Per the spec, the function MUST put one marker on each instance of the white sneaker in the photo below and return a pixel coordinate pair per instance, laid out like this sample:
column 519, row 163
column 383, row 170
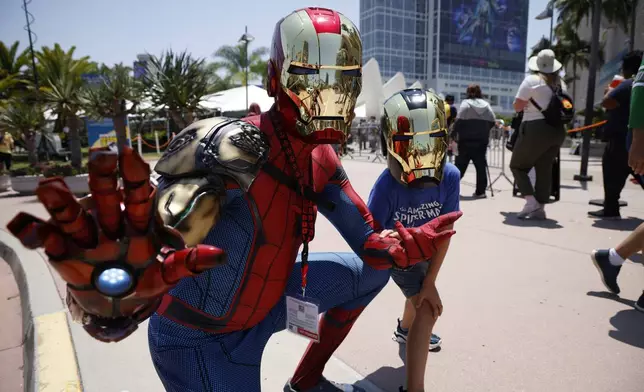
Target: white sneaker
column 538, row 214
column 528, row 209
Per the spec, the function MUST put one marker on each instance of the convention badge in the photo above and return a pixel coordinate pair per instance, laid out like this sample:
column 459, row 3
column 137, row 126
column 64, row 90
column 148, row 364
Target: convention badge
column 302, row 317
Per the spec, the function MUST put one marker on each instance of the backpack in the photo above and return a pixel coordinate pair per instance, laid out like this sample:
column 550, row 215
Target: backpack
column 560, row 110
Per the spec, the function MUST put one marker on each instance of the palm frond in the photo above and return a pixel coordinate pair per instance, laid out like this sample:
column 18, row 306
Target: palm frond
column 19, row 117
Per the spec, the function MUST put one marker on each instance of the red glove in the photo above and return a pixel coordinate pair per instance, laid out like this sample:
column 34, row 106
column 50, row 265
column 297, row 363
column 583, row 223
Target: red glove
column 421, row 242
column 115, row 254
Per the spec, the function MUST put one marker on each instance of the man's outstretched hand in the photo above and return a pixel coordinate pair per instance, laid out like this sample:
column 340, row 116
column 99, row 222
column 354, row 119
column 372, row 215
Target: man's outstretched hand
column 421, row 242
column 115, row 254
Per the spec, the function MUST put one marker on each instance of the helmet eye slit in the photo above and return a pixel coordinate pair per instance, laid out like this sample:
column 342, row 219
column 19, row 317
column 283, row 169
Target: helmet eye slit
column 296, row 70
column 356, row 73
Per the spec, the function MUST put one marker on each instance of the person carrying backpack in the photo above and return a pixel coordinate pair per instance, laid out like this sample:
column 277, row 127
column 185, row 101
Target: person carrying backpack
column 546, row 109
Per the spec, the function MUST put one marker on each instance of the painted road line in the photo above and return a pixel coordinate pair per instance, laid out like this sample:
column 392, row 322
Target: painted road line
column 56, row 365
column 50, row 363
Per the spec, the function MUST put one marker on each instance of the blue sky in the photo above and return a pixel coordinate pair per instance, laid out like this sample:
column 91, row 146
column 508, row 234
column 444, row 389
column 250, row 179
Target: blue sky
column 117, row 30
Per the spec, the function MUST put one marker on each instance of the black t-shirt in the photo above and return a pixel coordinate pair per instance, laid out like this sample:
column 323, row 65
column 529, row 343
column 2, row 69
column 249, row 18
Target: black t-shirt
column 452, row 115
column 616, row 127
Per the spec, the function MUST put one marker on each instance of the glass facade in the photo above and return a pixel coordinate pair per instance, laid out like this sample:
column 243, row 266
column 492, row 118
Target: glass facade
column 407, row 36
column 484, row 33
column 394, row 33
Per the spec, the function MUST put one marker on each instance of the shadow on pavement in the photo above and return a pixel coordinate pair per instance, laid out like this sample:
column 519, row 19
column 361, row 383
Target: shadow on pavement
column 628, row 327
column 611, row 296
column 627, row 224
column 627, row 323
column 470, row 198
column 512, row 220
column 562, row 186
column 389, row 378
column 637, row 258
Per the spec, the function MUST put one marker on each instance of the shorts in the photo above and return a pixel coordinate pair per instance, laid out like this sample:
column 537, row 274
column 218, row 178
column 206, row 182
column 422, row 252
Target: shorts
column 410, row 281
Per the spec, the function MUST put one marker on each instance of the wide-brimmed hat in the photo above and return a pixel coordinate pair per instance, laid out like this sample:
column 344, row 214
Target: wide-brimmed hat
column 544, row 62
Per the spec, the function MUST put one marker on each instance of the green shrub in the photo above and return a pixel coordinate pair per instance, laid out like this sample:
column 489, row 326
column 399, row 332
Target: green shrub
column 26, row 171
column 63, row 171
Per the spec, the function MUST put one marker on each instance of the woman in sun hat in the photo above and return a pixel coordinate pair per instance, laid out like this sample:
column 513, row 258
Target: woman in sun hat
column 538, row 143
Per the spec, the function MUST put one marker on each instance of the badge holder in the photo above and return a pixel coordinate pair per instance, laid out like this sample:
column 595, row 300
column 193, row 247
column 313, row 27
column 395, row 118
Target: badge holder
column 302, row 313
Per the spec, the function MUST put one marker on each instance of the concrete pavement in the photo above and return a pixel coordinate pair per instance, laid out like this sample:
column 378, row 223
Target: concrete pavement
column 11, row 342
column 524, row 308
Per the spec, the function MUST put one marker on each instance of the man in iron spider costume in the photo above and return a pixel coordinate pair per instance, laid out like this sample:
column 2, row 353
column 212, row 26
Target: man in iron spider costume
column 247, row 190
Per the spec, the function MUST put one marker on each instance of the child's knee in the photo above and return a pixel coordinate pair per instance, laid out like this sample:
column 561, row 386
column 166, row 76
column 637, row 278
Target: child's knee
column 424, row 310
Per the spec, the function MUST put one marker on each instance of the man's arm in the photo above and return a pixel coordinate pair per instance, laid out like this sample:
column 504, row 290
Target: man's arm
column 523, row 96
column 614, row 96
column 437, row 260
column 451, row 204
column 350, row 215
column 356, row 224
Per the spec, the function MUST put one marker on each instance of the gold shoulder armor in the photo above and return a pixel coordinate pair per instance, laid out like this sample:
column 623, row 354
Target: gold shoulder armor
column 220, row 146
column 192, row 188
column 191, row 205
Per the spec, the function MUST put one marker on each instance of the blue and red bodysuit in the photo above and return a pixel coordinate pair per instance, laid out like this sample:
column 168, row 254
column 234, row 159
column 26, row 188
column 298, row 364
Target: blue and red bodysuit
column 210, row 331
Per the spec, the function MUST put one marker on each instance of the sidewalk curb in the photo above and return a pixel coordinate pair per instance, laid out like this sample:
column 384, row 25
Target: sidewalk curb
column 49, row 358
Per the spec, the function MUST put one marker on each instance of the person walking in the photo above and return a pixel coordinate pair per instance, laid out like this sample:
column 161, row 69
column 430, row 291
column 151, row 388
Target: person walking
column 609, row 261
column 472, row 127
column 615, row 167
column 450, row 112
column 538, row 142
column 6, row 149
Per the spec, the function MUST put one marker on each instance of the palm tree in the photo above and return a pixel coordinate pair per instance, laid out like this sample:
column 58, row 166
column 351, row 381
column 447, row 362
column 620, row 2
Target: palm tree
column 633, row 4
column 20, row 117
column 177, row 81
column 544, row 43
column 61, row 76
column 576, row 11
column 110, row 99
column 11, row 63
column 215, row 80
column 573, row 49
column 615, row 11
column 233, row 59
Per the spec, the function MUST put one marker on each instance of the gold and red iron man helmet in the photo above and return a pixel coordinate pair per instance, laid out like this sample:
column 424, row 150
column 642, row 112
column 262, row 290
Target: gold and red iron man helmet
column 316, row 65
column 414, row 135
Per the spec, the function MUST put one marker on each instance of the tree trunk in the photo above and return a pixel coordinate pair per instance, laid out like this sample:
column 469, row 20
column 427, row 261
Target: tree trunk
column 590, row 93
column 178, row 119
column 190, row 118
column 120, row 125
column 30, row 142
column 74, row 141
column 632, row 27
column 574, row 79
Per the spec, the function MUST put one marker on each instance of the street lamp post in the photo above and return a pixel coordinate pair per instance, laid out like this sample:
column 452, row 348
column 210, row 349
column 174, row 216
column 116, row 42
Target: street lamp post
column 590, row 96
column 246, row 39
column 30, row 19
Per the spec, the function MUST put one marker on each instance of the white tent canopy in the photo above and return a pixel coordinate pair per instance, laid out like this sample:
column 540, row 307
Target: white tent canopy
column 235, row 99
column 360, row 111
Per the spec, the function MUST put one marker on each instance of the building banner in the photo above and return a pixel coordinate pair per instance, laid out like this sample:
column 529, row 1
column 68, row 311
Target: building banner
column 101, row 133
column 484, row 33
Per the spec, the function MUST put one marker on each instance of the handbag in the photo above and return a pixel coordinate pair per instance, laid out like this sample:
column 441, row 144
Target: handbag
column 516, row 123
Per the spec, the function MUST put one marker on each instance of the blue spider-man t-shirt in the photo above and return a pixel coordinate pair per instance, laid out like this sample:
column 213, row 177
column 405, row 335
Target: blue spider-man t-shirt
column 391, row 201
